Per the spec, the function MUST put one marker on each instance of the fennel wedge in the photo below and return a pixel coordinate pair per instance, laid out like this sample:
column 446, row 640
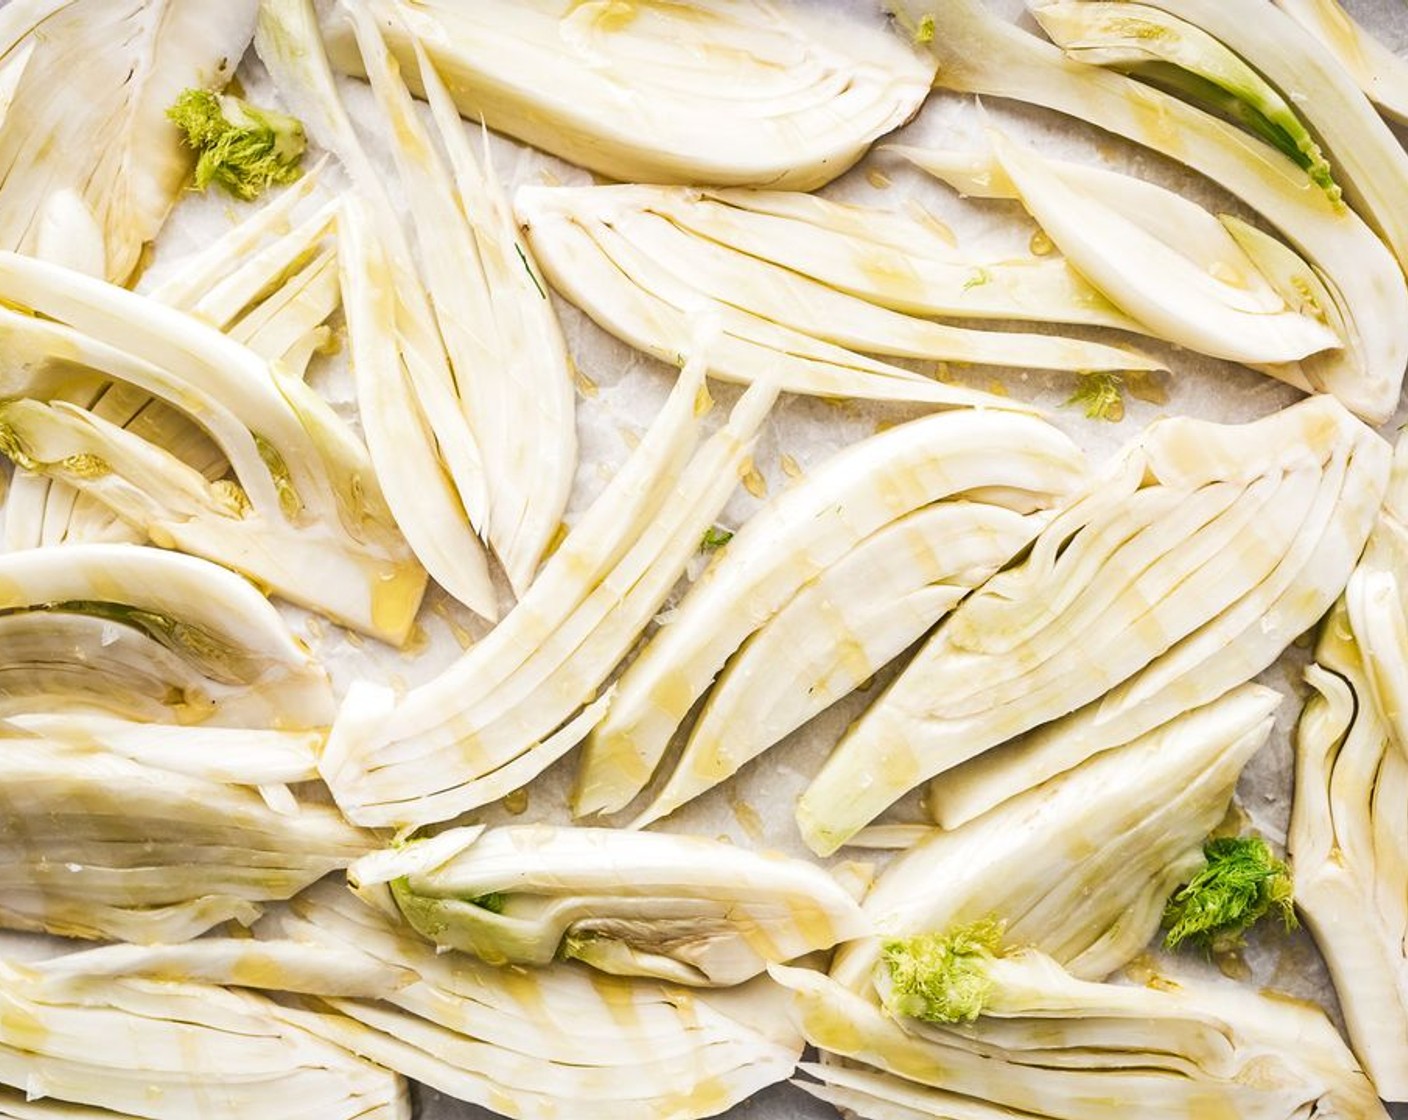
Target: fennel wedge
column 1186, row 541
column 124, row 831
column 301, row 511
column 982, row 54
column 1166, row 262
column 1348, row 819
column 1079, row 867
column 681, row 908
column 170, row 1049
column 646, row 262
column 530, row 691
column 89, row 170
column 799, row 540
column 456, row 338
column 1045, row 1044
column 530, row 1042
column 728, row 92
column 143, row 634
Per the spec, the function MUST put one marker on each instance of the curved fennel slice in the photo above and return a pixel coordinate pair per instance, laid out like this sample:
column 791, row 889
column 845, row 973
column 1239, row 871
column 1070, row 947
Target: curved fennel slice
column 983, row 54
column 1163, row 260
column 1369, row 162
column 1189, row 536
column 1081, row 866
column 103, row 147
column 645, row 279
column 798, row 538
column 563, row 1040
column 171, row 1049
column 1381, row 74
column 687, row 909
column 420, row 439
column 1349, row 819
column 150, row 635
column 118, row 830
column 512, row 705
column 301, row 512
column 1042, row 1043
column 1231, row 650
column 837, row 630
column 730, row 92
column 276, row 302
column 503, row 341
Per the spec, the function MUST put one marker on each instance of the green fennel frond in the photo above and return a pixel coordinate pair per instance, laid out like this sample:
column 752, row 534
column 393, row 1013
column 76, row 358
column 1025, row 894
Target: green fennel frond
column 943, row 977
column 242, row 148
column 1100, row 395
column 1240, row 883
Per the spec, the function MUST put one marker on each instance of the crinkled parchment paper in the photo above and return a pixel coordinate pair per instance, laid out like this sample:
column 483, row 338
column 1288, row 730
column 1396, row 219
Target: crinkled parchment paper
column 619, row 390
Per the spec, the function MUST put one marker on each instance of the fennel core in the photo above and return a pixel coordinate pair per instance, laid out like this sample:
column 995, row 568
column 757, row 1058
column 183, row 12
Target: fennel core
column 1240, row 883
column 241, row 148
column 943, row 977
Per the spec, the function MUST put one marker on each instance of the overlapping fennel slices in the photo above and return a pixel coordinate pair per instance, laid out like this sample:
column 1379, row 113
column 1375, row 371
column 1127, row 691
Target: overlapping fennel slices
column 1349, row 820
column 89, row 170
column 1211, row 284
column 1080, row 867
column 118, row 1034
column 732, row 92
column 806, row 288
column 154, row 709
column 299, row 509
column 681, row 908
column 978, row 52
column 267, row 286
column 1183, row 570
column 564, row 1040
column 930, row 1017
column 464, row 383
column 819, row 281
column 1045, row 1044
column 513, row 704
column 824, row 585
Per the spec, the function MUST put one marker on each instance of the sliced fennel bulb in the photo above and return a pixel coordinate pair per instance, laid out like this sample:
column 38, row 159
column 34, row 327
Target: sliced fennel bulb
column 682, row 908
column 302, row 512
column 1164, row 261
column 458, row 348
column 530, row 1042
column 102, row 145
column 170, row 1049
column 980, row 53
column 1348, row 819
column 729, row 92
column 645, row 262
column 1135, row 35
column 113, row 830
column 426, row 456
column 514, row 703
column 796, row 539
column 1183, row 544
column 150, row 635
column 1370, row 163
column 1079, row 867
column 1049, row 1045
column 276, row 303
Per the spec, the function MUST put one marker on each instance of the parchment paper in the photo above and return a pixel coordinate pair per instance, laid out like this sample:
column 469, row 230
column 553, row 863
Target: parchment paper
column 620, row 390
